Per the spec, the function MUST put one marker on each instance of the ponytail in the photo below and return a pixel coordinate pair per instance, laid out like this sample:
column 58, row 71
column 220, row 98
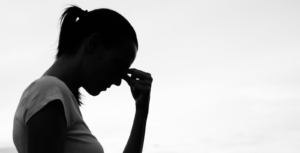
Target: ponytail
column 68, row 28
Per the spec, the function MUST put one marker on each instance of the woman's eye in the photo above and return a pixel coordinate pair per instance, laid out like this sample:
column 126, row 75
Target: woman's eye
column 120, row 67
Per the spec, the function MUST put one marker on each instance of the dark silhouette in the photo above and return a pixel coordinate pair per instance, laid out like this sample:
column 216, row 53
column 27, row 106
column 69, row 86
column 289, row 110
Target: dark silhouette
column 95, row 51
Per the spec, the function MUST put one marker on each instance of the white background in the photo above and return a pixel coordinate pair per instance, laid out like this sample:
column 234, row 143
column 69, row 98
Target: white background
column 226, row 73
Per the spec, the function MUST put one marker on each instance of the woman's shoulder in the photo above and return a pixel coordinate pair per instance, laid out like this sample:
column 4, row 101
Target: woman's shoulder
column 48, row 81
column 43, row 89
column 47, row 84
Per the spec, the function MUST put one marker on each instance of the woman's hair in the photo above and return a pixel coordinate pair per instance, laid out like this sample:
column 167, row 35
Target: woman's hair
column 76, row 25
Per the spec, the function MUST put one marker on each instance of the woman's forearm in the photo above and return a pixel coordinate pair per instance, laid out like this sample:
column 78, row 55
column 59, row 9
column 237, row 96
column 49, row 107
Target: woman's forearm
column 136, row 139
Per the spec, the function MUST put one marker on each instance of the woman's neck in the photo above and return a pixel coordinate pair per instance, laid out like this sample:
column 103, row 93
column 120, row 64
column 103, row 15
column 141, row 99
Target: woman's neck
column 67, row 70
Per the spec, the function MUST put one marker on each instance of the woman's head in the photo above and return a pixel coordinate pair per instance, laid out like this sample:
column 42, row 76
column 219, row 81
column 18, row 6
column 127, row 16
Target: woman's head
column 107, row 42
column 76, row 25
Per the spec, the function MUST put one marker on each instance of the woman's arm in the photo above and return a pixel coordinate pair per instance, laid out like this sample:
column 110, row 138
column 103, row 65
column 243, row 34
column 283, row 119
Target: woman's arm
column 140, row 85
column 46, row 130
column 136, row 139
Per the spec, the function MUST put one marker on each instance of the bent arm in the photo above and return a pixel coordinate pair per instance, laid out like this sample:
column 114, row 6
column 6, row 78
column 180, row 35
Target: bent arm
column 140, row 86
column 46, row 130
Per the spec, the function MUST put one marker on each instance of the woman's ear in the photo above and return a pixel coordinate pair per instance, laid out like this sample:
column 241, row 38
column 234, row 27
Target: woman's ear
column 94, row 43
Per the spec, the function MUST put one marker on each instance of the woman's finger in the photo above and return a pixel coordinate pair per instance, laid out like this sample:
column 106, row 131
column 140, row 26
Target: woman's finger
column 142, row 82
column 139, row 74
column 133, row 69
column 141, row 88
column 126, row 78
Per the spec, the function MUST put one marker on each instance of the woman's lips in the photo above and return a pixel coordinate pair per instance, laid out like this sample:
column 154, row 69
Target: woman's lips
column 108, row 86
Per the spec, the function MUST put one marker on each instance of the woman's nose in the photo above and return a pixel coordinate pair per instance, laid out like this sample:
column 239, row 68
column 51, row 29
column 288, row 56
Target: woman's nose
column 117, row 81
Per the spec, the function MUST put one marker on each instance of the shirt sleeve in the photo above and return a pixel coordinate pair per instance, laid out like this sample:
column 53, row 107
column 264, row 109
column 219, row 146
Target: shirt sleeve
column 40, row 97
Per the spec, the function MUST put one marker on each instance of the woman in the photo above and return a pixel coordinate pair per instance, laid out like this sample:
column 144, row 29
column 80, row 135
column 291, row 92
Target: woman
column 95, row 51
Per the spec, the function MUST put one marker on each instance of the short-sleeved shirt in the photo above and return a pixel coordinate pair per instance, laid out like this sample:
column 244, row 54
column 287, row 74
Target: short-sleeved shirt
column 38, row 94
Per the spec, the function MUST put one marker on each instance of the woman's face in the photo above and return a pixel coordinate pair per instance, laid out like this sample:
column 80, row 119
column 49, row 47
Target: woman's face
column 106, row 66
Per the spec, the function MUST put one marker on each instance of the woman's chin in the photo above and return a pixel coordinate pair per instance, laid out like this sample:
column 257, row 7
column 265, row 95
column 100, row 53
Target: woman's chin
column 96, row 92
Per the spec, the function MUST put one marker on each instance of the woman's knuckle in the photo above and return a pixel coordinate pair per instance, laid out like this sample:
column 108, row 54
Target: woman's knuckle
column 151, row 79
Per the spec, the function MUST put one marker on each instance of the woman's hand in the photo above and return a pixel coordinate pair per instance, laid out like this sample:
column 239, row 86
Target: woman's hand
column 140, row 84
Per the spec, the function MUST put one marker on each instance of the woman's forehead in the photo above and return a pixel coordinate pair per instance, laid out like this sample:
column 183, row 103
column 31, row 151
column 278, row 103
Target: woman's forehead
column 126, row 52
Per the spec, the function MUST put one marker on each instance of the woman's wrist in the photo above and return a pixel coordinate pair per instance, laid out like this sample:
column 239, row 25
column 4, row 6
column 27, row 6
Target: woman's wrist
column 142, row 112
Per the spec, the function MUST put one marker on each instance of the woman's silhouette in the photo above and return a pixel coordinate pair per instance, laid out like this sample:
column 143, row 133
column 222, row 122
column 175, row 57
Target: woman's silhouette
column 95, row 51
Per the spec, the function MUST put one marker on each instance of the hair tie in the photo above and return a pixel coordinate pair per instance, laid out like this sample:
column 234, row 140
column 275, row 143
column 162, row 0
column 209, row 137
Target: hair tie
column 83, row 14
